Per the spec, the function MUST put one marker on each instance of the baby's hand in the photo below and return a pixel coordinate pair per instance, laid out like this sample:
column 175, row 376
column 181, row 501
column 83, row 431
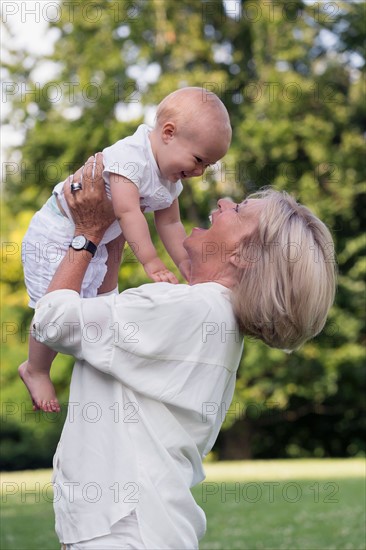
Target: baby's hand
column 158, row 272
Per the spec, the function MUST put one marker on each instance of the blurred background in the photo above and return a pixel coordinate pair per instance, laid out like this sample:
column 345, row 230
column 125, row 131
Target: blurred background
column 291, row 76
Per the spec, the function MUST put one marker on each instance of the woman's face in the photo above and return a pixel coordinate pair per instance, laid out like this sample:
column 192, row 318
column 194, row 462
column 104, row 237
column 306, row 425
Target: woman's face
column 231, row 223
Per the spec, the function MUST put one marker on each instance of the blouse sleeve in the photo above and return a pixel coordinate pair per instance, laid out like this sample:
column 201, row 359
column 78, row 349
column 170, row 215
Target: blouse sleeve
column 81, row 327
column 152, row 321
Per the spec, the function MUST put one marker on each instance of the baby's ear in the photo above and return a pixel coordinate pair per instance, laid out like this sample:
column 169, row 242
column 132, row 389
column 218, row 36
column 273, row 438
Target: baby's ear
column 168, row 131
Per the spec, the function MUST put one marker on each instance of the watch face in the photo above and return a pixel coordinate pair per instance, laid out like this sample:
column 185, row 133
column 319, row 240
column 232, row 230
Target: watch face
column 78, row 242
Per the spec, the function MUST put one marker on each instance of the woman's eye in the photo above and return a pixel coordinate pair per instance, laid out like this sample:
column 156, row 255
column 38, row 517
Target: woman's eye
column 236, row 208
column 198, row 159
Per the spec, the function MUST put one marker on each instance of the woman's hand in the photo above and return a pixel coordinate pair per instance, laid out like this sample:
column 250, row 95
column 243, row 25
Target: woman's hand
column 90, row 207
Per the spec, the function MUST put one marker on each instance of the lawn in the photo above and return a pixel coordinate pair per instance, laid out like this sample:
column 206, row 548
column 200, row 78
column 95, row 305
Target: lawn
column 272, row 505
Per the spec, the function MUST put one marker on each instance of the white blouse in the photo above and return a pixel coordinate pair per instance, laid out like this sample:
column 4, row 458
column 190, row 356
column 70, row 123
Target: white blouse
column 155, row 369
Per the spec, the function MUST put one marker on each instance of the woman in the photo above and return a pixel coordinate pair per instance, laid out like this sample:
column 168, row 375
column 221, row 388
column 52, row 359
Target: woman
column 165, row 358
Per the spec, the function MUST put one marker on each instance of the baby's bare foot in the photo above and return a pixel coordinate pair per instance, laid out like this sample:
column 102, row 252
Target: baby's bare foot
column 40, row 388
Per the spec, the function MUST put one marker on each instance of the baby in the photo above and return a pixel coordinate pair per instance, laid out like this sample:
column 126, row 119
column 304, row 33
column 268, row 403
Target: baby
column 142, row 173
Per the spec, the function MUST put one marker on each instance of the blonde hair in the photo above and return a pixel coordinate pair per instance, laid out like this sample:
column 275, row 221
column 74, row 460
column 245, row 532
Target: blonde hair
column 192, row 107
column 287, row 280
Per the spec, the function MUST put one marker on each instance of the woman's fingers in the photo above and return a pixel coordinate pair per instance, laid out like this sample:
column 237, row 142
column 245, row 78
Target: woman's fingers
column 90, row 174
column 92, row 171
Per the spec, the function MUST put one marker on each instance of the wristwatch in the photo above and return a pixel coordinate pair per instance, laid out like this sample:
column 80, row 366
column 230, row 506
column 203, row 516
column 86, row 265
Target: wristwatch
column 82, row 243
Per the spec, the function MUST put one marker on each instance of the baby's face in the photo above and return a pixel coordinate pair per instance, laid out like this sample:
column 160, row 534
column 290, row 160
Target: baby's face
column 188, row 156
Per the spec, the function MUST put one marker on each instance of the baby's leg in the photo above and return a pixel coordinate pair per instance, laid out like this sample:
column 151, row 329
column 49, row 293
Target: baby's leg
column 35, row 373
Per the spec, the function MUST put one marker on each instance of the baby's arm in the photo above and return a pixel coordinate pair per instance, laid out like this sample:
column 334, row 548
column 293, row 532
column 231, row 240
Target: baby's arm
column 172, row 234
column 126, row 204
column 115, row 250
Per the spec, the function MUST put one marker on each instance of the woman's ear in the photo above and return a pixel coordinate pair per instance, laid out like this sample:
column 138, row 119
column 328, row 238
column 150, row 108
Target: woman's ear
column 168, row 131
column 236, row 260
column 243, row 258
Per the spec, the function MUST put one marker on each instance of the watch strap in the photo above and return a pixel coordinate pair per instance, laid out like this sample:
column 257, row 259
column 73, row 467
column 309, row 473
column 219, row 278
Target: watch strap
column 89, row 246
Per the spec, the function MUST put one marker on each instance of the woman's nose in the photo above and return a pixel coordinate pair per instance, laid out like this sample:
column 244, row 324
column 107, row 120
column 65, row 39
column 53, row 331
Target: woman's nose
column 224, row 204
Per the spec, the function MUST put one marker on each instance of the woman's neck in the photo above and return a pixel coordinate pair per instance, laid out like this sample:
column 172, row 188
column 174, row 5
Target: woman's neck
column 204, row 273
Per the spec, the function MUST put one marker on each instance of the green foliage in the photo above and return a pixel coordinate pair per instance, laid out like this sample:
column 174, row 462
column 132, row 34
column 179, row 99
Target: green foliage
column 298, row 117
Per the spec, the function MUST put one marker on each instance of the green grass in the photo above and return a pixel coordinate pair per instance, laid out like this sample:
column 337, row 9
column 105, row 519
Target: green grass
column 27, row 520
column 292, row 505
column 271, row 505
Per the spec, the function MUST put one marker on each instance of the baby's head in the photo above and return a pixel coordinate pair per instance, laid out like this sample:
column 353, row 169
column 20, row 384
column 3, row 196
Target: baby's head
column 192, row 131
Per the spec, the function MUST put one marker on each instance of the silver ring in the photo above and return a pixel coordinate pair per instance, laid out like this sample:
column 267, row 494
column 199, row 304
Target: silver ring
column 75, row 187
